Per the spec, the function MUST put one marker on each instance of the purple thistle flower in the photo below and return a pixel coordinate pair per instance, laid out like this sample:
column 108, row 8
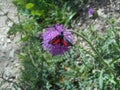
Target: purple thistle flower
column 90, row 11
column 51, row 33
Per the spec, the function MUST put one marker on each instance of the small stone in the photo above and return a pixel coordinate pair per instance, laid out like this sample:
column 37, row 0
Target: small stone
column 101, row 13
column 12, row 37
column 11, row 54
column 9, row 24
column 2, row 55
column 16, row 65
column 2, row 39
column 8, row 40
column 4, row 46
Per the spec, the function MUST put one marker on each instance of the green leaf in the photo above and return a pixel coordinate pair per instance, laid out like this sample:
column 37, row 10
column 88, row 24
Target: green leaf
column 37, row 12
column 29, row 5
column 25, row 38
column 101, row 80
column 69, row 18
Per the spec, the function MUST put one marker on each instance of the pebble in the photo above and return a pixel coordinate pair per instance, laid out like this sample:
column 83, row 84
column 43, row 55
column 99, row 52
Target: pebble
column 11, row 54
column 101, row 13
column 8, row 40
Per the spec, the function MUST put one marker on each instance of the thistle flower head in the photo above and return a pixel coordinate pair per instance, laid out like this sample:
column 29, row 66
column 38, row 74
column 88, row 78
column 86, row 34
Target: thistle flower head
column 90, row 11
column 52, row 32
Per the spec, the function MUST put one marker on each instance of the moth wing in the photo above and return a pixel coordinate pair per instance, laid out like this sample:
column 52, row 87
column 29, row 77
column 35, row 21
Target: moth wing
column 55, row 40
column 66, row 42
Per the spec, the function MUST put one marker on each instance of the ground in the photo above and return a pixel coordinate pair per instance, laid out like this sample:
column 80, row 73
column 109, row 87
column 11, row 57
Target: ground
column 8, row 46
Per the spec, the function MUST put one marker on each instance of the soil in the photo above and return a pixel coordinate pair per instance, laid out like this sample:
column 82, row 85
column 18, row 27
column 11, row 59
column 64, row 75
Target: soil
column 9, row 63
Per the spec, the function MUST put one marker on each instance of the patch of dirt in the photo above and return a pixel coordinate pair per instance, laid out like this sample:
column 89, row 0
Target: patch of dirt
column 105, row 8
column 9, row 63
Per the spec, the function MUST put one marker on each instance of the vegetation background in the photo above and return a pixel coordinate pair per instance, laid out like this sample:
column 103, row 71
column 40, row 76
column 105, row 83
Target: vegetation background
column 91, row 64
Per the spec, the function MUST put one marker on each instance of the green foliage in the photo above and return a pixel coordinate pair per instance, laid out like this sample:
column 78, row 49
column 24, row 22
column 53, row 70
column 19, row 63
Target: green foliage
column 94, row 66
column 105, row 54
column 46, row 12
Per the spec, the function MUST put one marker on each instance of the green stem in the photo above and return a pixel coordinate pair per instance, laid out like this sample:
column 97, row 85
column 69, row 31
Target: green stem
column 32, row 60
column 100, row 57
column 113, row 61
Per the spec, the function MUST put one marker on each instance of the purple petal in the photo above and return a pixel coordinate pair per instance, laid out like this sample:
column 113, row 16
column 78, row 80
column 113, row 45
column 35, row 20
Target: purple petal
column 90, row 11
column 52, row 32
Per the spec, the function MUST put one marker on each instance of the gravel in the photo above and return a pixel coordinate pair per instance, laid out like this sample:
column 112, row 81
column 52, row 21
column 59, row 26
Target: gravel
column 9, row 63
